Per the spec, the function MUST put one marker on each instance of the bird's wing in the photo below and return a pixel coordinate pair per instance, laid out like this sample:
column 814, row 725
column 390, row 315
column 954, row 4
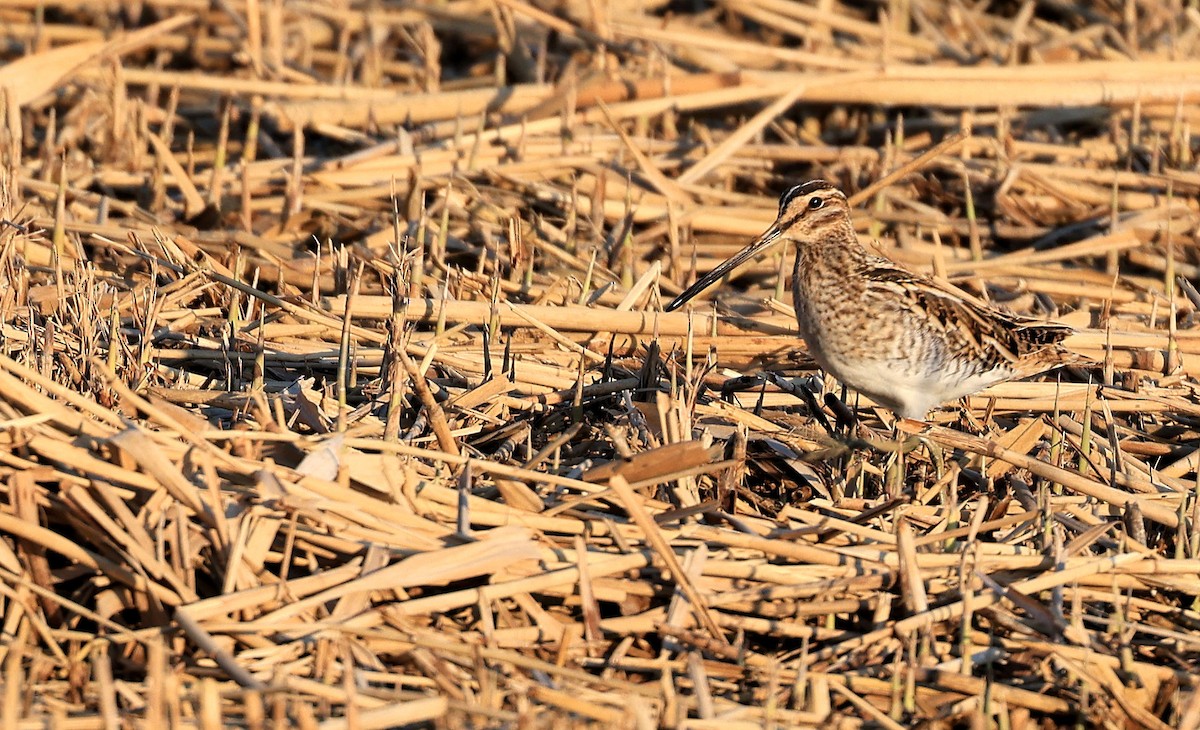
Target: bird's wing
column 977, row 328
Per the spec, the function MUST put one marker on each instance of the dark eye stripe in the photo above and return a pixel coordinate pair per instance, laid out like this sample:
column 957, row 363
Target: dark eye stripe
column 789, row 224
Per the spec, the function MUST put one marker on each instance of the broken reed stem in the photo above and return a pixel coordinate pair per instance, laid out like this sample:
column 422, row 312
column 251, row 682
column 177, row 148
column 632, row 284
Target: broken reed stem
column 437, row 417
column 655, row 537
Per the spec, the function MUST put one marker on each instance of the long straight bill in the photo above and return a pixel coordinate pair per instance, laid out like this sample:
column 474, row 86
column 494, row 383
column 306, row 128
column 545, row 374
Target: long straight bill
column 760, row 244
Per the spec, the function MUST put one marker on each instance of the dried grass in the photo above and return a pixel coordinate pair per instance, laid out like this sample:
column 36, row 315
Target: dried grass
column 336, row 390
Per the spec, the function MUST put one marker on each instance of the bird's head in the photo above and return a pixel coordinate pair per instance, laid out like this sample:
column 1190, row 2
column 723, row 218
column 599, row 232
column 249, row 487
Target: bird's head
column 805, row 212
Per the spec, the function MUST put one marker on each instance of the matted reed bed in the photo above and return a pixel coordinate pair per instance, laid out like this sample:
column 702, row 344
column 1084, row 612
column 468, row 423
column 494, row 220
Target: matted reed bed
column 336, row 389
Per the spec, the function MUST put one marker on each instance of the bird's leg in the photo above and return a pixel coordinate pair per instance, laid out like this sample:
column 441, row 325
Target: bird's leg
column 847, row 419
column 909, row 434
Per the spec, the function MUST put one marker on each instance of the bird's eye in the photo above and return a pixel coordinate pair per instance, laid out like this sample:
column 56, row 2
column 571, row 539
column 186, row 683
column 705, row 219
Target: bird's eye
column 814, row 203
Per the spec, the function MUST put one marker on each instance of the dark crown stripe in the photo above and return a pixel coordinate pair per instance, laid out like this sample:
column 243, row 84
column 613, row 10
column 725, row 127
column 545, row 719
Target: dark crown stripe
column 804, row 189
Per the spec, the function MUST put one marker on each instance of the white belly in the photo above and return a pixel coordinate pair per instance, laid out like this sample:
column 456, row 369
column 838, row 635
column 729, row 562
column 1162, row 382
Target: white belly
column 893, row 385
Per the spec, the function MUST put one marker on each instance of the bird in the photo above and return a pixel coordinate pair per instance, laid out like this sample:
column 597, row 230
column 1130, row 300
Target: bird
column 907, row 341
